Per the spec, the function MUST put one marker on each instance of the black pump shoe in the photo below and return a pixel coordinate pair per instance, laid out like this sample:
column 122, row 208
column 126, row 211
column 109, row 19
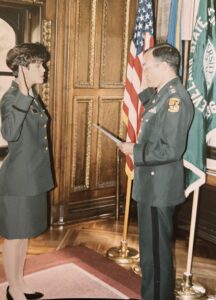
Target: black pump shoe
column 36, row 295
column 8, row 295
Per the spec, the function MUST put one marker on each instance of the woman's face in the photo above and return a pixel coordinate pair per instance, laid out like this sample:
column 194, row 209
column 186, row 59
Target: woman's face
column 34, row 73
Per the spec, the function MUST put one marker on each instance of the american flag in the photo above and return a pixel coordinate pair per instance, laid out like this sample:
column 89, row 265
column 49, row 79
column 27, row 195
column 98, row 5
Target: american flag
column 132, row 108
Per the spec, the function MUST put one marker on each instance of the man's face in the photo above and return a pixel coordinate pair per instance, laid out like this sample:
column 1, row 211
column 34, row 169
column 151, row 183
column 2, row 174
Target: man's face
column 152, row 70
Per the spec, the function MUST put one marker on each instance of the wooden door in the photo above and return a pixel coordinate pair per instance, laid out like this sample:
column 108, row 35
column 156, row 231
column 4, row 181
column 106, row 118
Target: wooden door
column 89, row 59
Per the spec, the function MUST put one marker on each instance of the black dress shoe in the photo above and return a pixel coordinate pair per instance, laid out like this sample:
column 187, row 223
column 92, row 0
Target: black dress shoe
column 8, row 295
column 36, row 295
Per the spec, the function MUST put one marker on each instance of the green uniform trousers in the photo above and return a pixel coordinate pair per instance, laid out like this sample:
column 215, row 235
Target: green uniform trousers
column 155, row 238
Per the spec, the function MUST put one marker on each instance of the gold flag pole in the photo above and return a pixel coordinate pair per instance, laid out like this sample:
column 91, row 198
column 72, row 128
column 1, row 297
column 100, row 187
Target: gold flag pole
column 185, row 63
column 124, row 254
column 117, row 204
column 185, row 289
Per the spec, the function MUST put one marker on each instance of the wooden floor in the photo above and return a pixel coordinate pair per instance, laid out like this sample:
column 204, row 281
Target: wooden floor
column 102, row 234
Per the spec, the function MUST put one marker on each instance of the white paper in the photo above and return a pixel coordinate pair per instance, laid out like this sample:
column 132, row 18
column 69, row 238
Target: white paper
column 108, row 134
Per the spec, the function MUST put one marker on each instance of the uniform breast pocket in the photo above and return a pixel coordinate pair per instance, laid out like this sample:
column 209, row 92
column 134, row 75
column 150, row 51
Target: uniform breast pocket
column 34, row 111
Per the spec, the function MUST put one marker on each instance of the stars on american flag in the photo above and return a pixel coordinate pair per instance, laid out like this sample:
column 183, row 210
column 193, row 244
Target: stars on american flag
column 144, row 23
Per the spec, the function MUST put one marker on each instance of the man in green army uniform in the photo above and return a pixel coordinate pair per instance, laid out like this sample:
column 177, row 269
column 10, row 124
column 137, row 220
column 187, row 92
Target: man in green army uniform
column 158, row 166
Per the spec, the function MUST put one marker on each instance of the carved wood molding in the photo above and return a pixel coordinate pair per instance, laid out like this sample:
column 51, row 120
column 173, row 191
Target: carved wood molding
column 91, row 58
column 47, row 40
column 47, row 33
column 26, row 2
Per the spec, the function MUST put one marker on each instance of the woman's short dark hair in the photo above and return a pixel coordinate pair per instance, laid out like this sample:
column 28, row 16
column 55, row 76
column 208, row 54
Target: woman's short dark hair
column 167, row 53
column 24, row 54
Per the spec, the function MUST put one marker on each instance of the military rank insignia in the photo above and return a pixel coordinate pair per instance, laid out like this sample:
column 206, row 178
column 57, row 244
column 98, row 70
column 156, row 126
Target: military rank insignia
column 174, row 104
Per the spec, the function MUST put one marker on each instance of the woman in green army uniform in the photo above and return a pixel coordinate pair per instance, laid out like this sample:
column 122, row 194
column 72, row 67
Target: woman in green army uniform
column 25, row 174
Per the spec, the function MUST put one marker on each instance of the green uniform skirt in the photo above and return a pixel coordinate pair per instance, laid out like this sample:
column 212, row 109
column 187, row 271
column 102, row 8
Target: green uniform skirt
column 23, row 217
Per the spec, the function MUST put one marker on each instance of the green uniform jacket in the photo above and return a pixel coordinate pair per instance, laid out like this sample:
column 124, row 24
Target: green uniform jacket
column 158, row 171
column 26, row 169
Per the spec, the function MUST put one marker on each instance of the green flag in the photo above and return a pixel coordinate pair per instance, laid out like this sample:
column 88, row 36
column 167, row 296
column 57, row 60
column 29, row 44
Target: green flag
column 201, row 85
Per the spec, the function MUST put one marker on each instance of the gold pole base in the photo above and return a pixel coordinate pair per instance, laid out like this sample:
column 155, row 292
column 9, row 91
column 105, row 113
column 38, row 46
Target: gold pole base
column 136, row 269
column 187, row 290
column 123, row 254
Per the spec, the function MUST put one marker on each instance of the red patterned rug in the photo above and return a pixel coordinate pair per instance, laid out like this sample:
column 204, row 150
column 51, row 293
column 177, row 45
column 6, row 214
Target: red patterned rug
column 77, row 273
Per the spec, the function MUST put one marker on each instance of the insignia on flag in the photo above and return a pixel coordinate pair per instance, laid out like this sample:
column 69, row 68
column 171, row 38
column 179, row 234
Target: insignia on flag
column 209, row 63
column 174, row 105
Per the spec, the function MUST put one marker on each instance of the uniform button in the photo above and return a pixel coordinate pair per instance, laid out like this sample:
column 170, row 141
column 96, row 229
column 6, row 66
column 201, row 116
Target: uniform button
column 45, row 137
column 147, row 121
column 152, row 173
column 45, row 126
column 46, row 148
column 41, row 115
column 153, row 101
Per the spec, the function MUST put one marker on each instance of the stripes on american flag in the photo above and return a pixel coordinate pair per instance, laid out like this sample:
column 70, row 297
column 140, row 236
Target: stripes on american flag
column 132, row 107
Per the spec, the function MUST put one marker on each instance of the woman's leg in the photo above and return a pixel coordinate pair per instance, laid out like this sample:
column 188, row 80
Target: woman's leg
column 11, row 263
column 22, row 259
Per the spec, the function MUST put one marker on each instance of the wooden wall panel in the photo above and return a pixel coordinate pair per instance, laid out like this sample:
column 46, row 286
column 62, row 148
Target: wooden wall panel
column 109, row 118
column 85, row 42
column 114, row 49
